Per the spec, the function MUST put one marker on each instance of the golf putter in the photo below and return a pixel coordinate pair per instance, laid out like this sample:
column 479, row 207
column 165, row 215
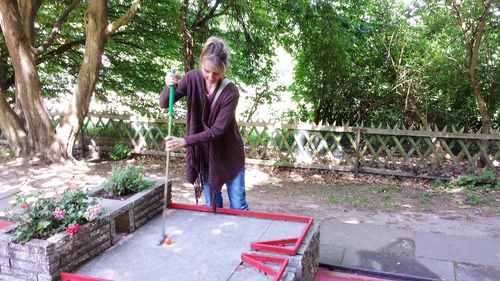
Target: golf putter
column 164, row 235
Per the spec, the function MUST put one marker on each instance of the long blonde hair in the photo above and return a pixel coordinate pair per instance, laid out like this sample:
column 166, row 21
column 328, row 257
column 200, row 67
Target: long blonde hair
column 216, row 51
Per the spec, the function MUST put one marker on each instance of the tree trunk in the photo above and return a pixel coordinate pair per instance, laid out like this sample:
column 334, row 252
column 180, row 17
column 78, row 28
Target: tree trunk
column 97, row 31
column 41, row 138
column 473, row 34
column 187, row 38
column 95, row 23
column 12, row 128
column 28, row 10
column 10, row 123
column 483, row 109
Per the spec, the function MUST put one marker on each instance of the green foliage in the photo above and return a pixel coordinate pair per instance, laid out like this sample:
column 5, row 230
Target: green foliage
column 111, row 129
column 478, row 187
column 476, row 198
column 40, row 216
column 383, row 62
column 256, row 137
column 387, row 189
column 281, row 162
column 126, row 179
column 344, row 54
column 121, row 151
column 486, row 181
column 438, row 183
column 426, row 198
column 8, row 152
column 333, row 198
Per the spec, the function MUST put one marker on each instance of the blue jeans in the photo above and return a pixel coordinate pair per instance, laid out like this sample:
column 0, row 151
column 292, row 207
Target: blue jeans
column 235, row 192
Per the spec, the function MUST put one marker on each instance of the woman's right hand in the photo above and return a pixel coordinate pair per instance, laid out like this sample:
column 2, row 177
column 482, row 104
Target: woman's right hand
column 171, row 79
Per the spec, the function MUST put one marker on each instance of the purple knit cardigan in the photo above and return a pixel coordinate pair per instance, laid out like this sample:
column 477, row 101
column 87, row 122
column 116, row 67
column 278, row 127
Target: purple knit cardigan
column 214, row 143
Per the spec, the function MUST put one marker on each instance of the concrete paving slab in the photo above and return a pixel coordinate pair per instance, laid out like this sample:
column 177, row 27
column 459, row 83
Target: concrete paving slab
column 282, row 229
column 459, row 249
column 245, row 273
column 206, row 246
column 5, row 203
column 330, row 254
column 9, row 191
column 368, row 237
column 470, row 272
column 386, row 262
column 112, row 206
column 444, row 269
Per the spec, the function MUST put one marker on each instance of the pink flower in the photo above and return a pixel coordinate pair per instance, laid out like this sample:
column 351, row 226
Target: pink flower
column 72, row 228
column 24, row 205
column 59, row 214
column 92, row 212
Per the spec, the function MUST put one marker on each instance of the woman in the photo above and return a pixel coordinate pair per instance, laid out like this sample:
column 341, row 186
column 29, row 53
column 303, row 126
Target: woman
column 214, row 147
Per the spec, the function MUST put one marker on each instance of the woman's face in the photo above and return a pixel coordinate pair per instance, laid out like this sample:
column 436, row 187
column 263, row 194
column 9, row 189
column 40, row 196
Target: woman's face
column 211, row 72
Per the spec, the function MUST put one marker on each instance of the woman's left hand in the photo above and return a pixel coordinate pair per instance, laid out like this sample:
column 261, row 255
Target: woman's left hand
column 173, row 143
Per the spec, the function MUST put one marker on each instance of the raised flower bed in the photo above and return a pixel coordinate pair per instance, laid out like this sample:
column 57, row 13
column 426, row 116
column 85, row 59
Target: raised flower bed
column 129, row 214
column 44, row 259
column 40, row 259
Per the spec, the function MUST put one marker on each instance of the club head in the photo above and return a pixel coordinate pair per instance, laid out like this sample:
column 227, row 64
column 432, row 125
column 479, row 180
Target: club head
column 162, row 240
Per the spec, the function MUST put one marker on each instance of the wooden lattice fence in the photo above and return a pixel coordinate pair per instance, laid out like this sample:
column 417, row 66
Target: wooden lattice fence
column 389, row 151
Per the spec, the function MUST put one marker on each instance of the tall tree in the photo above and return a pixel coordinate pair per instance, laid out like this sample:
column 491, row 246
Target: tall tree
column 326, row 49
column 472, row 18
column 37, row 136
column 249, row 26
column 194, row 20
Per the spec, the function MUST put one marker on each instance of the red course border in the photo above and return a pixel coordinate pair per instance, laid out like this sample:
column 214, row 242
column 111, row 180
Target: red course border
column 280, row 246
column 276, row 246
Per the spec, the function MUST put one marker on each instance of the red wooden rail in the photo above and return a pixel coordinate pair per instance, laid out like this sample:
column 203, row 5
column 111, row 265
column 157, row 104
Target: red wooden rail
column 66, row 276
column 257, row 260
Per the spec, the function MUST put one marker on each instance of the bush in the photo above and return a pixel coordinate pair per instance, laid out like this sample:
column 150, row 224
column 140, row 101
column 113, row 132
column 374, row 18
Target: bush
column 485, row 181
column 120, row 151
column 40, row 216
column 126, row 179
column 7, row 152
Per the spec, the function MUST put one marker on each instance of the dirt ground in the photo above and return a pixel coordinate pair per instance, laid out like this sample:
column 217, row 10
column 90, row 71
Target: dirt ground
column 405, row 203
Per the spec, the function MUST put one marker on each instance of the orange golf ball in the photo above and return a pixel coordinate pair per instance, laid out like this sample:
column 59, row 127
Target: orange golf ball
column 168, row 241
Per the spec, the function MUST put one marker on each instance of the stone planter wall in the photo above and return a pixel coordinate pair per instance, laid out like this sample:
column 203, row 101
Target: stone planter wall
column 41, row 260
column 305, row 262
column 128, row 215
column 150, row 204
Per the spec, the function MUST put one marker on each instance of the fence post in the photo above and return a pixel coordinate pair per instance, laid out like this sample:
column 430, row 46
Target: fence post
column 358, row 152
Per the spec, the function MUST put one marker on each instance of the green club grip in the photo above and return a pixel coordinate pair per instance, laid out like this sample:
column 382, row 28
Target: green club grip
column 171, row 98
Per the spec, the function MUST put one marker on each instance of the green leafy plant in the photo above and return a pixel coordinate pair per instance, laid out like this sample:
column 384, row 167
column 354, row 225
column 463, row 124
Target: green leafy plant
column 40, row 216
column 485, row 181
column 478, row 187
column 126, row 179
column 121, row 151
column 280, row 162
column 476, row 198
column 332, row 198
column 8, row 152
